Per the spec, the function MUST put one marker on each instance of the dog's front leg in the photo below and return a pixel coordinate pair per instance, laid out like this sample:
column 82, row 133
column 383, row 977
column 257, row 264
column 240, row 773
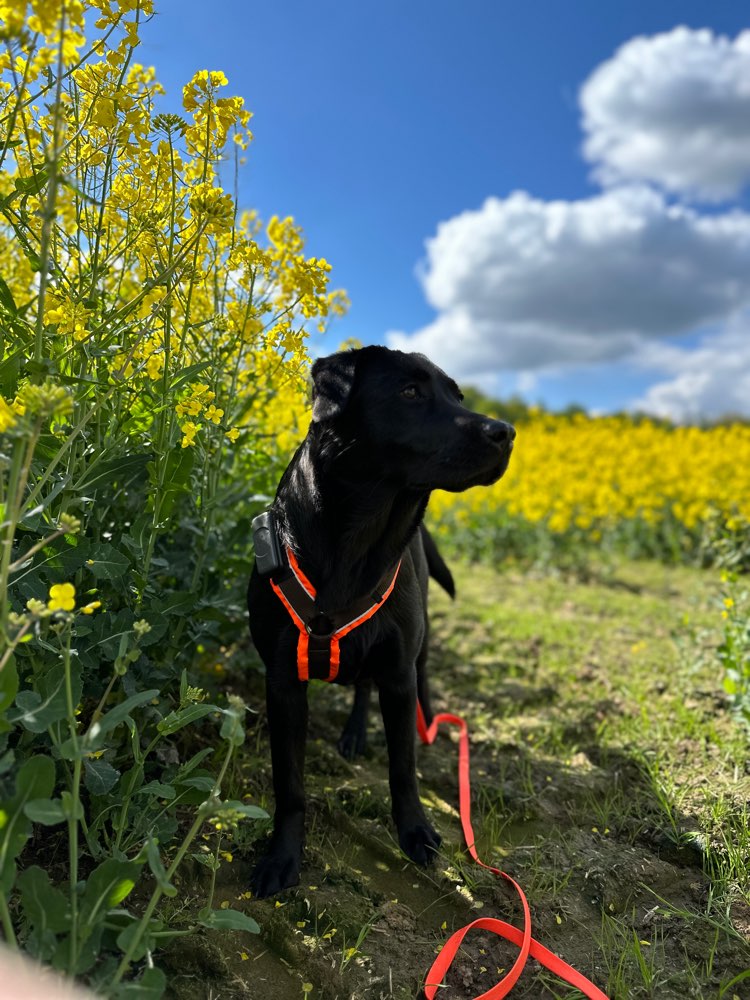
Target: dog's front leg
column 353, row 739
column 287, row 726
column 398, row 703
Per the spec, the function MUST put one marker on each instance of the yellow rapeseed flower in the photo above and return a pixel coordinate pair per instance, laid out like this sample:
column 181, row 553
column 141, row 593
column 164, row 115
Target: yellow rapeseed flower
column 189, row 430
column 62, row 597
column 68, row 316
column 7, row 416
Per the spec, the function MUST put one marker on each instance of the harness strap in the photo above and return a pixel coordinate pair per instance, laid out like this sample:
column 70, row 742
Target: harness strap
column 318, row 653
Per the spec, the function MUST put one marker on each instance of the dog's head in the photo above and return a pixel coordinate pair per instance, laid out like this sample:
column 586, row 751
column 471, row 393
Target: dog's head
column 401, row 418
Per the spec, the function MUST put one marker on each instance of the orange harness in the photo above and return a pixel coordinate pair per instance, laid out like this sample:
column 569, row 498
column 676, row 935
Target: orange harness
column 318, row 653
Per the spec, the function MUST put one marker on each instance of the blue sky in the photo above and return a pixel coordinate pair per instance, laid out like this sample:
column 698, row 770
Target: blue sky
column 374, row 123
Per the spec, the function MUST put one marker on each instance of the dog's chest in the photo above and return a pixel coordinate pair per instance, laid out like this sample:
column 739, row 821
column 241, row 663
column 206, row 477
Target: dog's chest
column 351, row 658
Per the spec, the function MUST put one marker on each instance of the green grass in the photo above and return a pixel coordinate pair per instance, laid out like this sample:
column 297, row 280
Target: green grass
column 609, row 778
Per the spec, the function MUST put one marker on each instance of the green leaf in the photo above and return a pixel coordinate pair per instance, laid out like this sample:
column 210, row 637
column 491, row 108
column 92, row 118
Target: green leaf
column 117, row 715
column 101, row 777
column 32, row 184
column 45, row 907
column 186, row 374
column 232, row 728
column 244, row 808
column 107, row 563
column 208, row 861
column 202, row 782
column 191, row 764
column 87, row 951
column 8, row 683
column 184, row 717
column 137, row 538
column 36, row 710
column 150, row 986
column 48, row 812
column 6, row 298
column 7, row 761
column 35, row 780
column 228, row 920
column 157, row 789
column 158, row 869
column 9, row 372
column 113, row 470
column 179, row 466
column 178, row 602
column 67, row 555
column 73, row 808
column 107, row 886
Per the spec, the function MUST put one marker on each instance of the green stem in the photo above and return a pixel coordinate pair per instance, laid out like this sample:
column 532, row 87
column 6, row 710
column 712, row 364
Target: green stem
column 212, row 888
column 134, row 776
column 75, row 806
column 10, row 934
column 11, row 126
column 10, row 530
column 200, row 818
column 11, row 647
column 48, row 213
column 22, row 560
column 19, row 477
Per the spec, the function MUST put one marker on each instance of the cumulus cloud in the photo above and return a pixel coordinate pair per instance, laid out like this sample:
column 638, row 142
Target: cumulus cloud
column 672, row 109
column 525, row 284
column 524, row 287
column 708, row 381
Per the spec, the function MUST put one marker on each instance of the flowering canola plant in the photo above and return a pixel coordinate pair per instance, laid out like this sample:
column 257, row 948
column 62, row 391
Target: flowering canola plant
column 153, row 340
column 597, row 476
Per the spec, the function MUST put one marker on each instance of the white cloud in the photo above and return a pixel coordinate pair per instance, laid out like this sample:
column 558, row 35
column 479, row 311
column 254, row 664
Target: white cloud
column 529, row 285
column 709, row 381
column 524, row 287
column 672, row 109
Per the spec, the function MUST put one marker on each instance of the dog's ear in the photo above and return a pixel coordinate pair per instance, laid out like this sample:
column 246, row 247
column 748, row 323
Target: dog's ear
column 333, row 378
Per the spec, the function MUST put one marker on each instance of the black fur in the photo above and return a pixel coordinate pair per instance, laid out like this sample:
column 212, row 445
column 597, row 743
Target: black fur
column 387, row 429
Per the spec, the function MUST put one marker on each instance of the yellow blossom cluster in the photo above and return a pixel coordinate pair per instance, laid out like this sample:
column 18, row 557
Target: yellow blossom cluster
column 153, row 284
column 7, row 416
column 594, row 473
column 151, row 338
column 67, row 316
column 62, row 597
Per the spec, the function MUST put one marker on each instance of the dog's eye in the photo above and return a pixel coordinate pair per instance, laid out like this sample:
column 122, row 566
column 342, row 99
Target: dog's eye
column 410, row 392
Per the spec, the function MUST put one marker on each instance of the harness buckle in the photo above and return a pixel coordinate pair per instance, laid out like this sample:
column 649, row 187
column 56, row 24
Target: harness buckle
column 320, row 626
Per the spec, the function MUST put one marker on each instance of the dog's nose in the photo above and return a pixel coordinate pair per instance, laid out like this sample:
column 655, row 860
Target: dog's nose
column 498, row 431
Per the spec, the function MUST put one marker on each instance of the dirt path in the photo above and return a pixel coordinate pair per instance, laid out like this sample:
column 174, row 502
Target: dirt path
column 608, row 779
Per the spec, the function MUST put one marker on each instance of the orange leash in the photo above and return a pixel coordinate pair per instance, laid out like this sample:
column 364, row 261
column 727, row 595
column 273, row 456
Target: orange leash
column 522, row 939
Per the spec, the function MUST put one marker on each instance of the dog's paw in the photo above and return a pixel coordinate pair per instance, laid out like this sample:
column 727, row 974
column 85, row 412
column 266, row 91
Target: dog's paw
column 420, row 842
column 276, row 871
column 352, row 742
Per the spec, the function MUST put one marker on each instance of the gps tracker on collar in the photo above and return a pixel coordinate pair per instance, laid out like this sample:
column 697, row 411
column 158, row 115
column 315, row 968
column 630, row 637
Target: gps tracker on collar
column 266, row 544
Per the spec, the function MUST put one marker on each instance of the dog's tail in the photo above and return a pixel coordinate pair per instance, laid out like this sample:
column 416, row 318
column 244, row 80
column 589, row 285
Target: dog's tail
column 436, row 564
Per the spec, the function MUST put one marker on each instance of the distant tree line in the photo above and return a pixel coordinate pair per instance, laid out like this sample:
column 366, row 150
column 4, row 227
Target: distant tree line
column 517, row 410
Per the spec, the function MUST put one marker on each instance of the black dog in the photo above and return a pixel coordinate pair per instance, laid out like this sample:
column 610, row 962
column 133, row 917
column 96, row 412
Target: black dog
column 387, row 428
